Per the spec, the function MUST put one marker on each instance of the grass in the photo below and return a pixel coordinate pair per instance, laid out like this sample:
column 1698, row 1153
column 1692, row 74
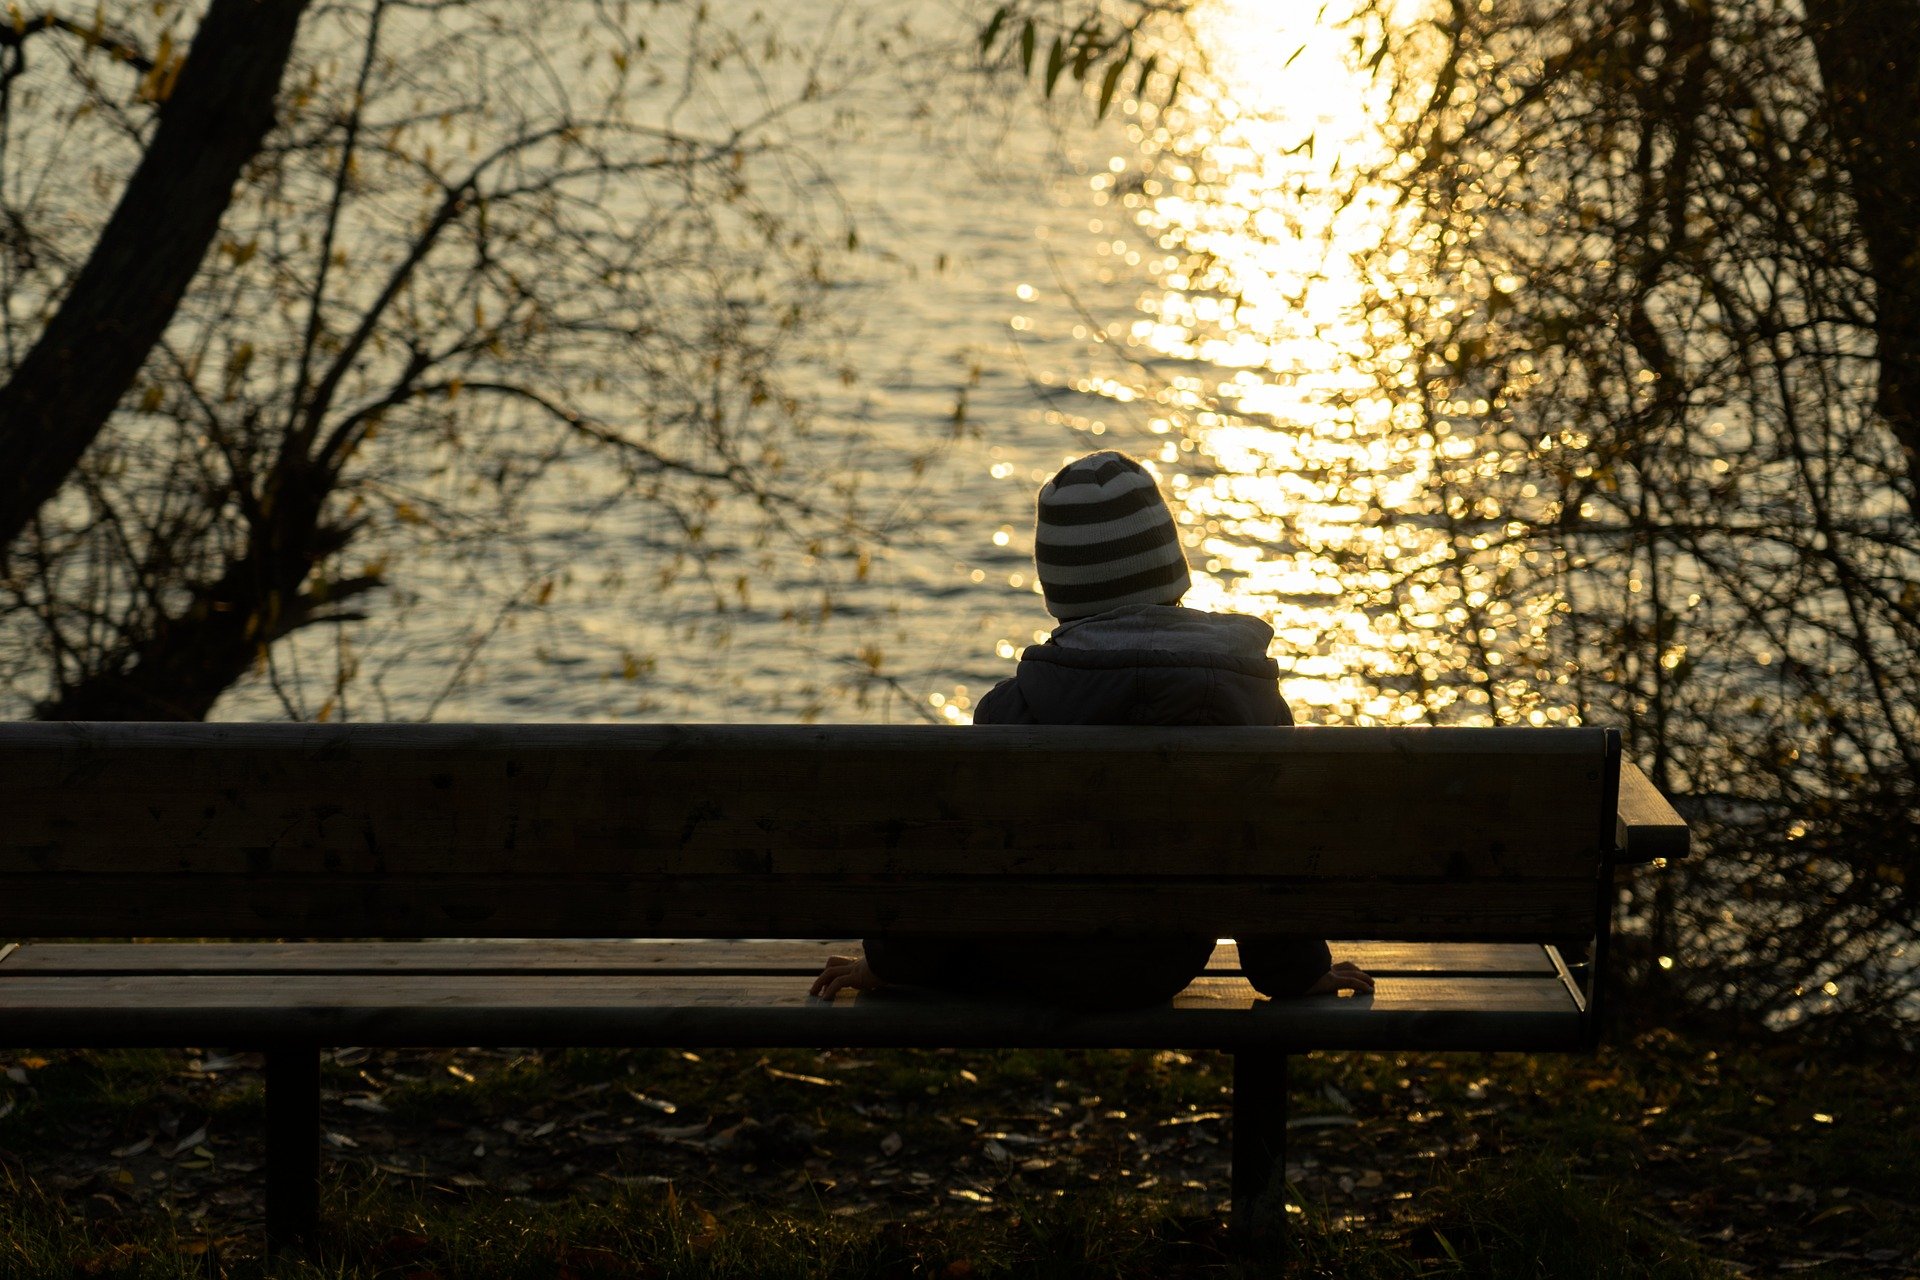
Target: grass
column 1663, row 1157
column 1486, row 1224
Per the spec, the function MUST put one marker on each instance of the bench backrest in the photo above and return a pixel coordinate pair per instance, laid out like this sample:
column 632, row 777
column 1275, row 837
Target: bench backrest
column 367, row 830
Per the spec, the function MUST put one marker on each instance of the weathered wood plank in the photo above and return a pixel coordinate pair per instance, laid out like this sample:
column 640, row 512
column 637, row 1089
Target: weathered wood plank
column 315, row 991
column 844, row 800
column 1648, row 827
column 1485, row 1013
column 701, row 955
column 506, row 957
column 560, row 906
column 1317, row 846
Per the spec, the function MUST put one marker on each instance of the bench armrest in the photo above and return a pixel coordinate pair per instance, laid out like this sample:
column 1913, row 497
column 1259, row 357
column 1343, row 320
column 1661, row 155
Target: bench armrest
column 1647, row 827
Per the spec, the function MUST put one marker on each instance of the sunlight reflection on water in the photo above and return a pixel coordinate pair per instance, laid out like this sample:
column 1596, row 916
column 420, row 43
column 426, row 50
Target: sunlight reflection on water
column 1261, row 368
column 1280, row 399
column 1274, row 234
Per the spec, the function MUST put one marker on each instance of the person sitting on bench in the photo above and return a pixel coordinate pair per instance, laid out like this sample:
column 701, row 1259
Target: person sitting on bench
column 1111, row 569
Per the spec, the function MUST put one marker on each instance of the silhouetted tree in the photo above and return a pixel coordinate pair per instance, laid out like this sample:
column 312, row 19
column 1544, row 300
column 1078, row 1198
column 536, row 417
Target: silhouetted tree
column 1662, row 295
column 485, row 243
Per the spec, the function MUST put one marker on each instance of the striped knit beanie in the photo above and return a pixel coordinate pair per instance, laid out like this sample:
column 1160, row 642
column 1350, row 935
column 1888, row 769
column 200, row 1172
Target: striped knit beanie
column 1104, row 539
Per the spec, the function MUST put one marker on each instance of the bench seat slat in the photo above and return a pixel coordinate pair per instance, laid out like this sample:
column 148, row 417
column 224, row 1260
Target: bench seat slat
column 723, row 955
column 1517, row 959
column 718, row 955
column 400, row 1009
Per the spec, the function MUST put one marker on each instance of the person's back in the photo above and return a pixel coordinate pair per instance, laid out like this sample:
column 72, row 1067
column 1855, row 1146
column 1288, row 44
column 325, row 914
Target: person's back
column 1144, row 664
column 1112, row 572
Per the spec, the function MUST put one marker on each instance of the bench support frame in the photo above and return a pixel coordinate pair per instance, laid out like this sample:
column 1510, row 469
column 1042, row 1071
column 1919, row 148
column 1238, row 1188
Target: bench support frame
column 293, row 1147
column 1259, row 1152
column 1259, row 1222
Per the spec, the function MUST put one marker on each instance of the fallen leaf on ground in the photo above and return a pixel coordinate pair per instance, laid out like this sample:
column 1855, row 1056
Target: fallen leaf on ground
column 709, row 1232
column 189, row 1142
column 822, row 1081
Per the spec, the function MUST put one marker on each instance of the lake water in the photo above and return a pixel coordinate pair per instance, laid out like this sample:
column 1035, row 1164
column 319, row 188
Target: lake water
column 1181, row 289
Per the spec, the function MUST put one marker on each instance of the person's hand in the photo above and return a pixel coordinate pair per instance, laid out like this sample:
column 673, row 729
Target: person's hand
column 1344, row 976
column 844, row 973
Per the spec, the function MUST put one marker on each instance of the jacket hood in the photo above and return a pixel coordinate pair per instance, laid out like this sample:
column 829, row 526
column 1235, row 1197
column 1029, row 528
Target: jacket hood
column 1171, row 629
column 1145, row 664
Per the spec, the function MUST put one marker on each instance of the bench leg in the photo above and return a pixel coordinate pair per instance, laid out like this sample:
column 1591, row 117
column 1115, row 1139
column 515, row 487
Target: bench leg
column 1259, row 1150
column 293, row 1147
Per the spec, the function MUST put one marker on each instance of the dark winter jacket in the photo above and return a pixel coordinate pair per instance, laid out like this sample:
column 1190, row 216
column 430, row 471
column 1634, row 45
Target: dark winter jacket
column 1145, row 664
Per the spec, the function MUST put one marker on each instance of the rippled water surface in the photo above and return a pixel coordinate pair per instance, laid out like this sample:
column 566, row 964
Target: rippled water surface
column 1182, row 288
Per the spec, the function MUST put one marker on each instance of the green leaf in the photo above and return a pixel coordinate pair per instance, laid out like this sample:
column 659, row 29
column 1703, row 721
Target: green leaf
column 1056, row 60
column 992, row 29
column 1173, row 90
column 1108, row 83
column 1283, row 66
column 1026, row 48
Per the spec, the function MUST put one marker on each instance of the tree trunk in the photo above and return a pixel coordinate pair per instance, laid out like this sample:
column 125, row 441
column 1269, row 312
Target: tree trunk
column 180, row 669
column 123, row 298
column 1869, row 56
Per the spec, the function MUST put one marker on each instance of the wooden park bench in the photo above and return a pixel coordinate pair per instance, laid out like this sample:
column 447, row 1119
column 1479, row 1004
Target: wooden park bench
column 1459, row 854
